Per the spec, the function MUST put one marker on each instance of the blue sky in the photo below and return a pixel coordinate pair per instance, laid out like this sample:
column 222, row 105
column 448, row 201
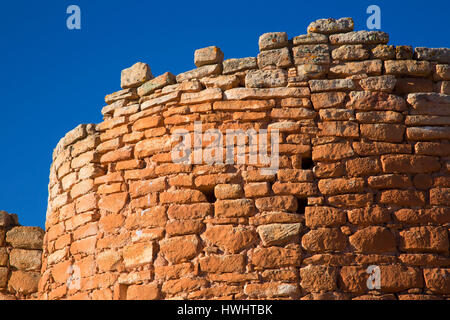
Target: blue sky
column 53, row 79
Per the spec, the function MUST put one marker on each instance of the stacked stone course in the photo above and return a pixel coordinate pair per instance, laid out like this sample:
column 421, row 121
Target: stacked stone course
column 20, row 258
column 364, row 178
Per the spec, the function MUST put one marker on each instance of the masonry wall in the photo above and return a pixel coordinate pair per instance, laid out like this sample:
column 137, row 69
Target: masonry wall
column 363, row 179
column 20, row 258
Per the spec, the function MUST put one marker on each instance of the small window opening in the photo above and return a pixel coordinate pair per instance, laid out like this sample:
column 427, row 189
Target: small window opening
column 210, row 196
column 302, row 204
column 307, row 164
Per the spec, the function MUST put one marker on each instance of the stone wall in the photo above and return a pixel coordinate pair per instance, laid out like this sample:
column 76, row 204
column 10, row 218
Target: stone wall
column 363, row 179
column 20, row 258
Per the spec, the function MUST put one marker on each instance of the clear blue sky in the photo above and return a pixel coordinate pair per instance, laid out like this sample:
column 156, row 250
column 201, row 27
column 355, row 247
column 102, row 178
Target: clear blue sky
column 53, row 79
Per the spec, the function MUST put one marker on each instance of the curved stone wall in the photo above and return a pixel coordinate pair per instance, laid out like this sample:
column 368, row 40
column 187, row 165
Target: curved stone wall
column 355, row 205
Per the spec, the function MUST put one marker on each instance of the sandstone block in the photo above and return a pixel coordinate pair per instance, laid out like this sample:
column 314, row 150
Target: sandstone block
column 324, row 217
column 26, row 260
column 275, row 257
column 279, row 58
column 273, row 40
column 350, row 52
column 328, row 99
column 330, row 26
column 383, row 132
column 441, row 55
column 201, row 72
column 208, row 55
column 360, row 37
column 346, row 69
column 241, row 64
column 331, row 85
column 25, row 237
column 310, row 38
column 384, row 83
column 266, row 78
column 324, row 240
column 373, row 240
column 279, row 234
column 157, row 83
column 224, row 263
column 437, row 280
column 180, row 249
column 135, row 75
column 318, row 278
column 408, row 68
column 311, row 54
column 228, row 238
column 311, row 71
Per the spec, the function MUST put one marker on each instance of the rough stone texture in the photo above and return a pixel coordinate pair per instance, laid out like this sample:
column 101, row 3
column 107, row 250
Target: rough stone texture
column 360, row 37
column 329, row 26
column 363, row 179
column 208, row 55
column 272, row 40
column 135, row 75
column 20, row 258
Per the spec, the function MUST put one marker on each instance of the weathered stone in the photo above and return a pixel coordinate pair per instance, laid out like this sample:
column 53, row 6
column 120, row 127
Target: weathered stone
column 280, row 58
column 403, row 52
column 324, row 217
column 311, row 71
column 332, row 152
column 241, row 64
column 208, row 55
column 364, row 100
column 311, row 54
column 373, row 240
column 396, row 278
column 179, row 249
column 277, row 203
column 442, row 72
column 368, row 216
column 279, row 234
column 441, row 55
column 318, row 278
column 383, row 132
column 381, row 83
column 272, row 40
column 430, row 103
column 275, row 257
column 350, row 52
column 26, row 259
column 230, row 239
column 25, row 237
column 428, row 133
column 409, row 163
column 360, row 37
column 310, row 38
column 135, row 75
column 437, row 280
column 201, row 72
column 331, row 85
column 330, row 26
column 328, row 99
column 424, row 239
column 408, row 68
column 384, row 52
column 267, row 93
column 266, row 78
column 379, row 117
column 324, row 240
column 345, row 69
column 157, row 83
column 223, row 82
